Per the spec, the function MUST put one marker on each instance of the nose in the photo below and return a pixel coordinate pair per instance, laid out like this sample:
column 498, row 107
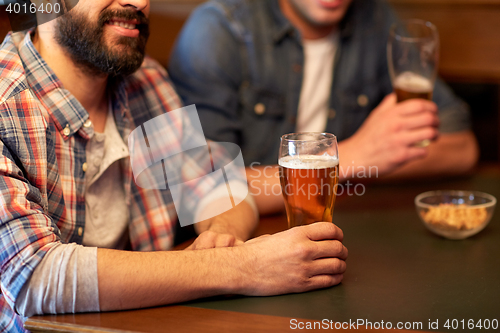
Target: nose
column 138, row 5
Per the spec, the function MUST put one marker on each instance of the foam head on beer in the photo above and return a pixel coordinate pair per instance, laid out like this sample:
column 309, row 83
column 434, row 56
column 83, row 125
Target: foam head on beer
column 308, row 183
column 409, row 85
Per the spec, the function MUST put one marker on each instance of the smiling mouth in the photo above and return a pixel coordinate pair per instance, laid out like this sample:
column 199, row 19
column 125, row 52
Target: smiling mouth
column 130, row 25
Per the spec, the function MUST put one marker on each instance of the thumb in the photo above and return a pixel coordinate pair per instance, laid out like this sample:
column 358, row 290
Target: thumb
column 388, row 102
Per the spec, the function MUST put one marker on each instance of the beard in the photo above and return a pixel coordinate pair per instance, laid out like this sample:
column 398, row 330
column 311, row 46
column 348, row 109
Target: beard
column 86, row 45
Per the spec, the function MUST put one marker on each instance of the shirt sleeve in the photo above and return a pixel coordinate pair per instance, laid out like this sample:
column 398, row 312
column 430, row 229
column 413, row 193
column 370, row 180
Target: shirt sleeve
column 206, row 69
column 27, row 232
column 65, row 281
column 454, row 113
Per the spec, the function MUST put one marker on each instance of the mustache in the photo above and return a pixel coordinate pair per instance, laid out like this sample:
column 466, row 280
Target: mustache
column 125, row 14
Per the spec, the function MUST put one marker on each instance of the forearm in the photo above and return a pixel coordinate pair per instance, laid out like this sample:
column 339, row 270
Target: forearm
column 450, row 155
column 263, row 266
column 264, row 184
column 130, row 280
column 239, row 221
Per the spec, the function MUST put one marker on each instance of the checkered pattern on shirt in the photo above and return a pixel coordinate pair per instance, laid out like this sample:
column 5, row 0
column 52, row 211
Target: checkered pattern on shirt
column 42, row 151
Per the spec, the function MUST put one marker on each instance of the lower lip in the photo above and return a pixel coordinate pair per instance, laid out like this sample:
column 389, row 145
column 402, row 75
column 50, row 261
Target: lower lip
column 123, row 31
column 330, row 4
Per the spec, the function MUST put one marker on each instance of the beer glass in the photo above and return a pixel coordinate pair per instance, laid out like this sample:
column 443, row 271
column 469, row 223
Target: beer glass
column 413, row 55
column 309, row 172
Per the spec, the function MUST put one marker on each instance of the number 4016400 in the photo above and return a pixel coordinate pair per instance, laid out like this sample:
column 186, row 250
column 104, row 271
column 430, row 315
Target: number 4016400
column 455, row 324
column 32, row 8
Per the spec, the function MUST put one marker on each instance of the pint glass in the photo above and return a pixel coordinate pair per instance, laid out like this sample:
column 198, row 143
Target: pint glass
column 309, row 172
column 412, row 55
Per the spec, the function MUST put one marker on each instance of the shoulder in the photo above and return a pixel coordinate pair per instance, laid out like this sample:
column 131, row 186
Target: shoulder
column 371, row 17
column 228, row 8
column 150, row 71
column 150, row 87
column 12, row 75
column 17, row 102
column 235, row 16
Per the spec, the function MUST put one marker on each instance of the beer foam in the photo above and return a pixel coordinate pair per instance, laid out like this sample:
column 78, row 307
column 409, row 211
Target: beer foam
column 308, row 162
column 412, row 82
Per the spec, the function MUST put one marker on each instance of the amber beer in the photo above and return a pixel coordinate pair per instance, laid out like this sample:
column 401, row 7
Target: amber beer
column 410, row 85
column 309, row 185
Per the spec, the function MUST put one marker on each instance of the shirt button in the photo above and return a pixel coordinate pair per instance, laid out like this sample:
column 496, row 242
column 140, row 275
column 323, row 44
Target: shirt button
column 297, row 68
column 332, row 114
column 66, row 130
column 87, row 124
column 259, row 108
column 95, row 216
column 97, row 161
column 84, row 167
column 80, row 231
column 292, row 120
column 100, row 138
column 363, row 100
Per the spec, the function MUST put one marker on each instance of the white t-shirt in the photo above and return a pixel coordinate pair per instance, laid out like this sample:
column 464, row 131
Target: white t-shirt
column 319, row 55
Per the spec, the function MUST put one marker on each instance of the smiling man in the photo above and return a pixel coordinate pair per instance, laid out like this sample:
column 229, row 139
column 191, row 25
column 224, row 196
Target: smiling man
column 71, row 91
column 259, row 69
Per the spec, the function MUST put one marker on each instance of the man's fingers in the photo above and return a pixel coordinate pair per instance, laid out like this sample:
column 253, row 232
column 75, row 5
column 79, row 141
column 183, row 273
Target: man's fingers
column 417, row 135
column 224, row 240
column 323, row 231
column 421, row 120
column 210, row 239
column 330, row 249
column 324, row 281
column 414, row 106
column 328, row 266
column 388, row 102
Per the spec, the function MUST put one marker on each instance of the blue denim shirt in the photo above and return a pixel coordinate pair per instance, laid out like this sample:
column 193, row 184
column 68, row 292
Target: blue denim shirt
column 241, row 63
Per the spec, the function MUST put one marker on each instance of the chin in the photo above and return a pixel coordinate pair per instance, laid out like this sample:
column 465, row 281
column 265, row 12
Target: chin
column 331, row 15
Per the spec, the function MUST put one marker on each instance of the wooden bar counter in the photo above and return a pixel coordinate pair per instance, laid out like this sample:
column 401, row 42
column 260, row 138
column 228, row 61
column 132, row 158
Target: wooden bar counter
column 397, row 272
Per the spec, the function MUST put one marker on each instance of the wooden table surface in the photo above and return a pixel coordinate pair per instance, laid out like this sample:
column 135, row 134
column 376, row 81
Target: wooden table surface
column 397, row 272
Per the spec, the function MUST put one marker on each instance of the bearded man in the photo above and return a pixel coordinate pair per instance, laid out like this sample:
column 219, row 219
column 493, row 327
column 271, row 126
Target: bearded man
column 71, row 91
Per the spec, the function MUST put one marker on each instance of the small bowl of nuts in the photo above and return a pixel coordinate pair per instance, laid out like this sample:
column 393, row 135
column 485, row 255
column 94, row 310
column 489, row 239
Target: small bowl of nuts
column 455, row 214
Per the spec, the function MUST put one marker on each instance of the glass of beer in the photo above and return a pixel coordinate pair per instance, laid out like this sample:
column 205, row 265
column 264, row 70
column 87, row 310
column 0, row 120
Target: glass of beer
column 309, row 173
column 413, row 55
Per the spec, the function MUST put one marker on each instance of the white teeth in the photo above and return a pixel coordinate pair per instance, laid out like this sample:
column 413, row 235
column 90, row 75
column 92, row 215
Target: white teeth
column 123, row 25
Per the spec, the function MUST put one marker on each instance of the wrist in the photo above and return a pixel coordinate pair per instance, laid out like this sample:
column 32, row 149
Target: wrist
column 236, row 279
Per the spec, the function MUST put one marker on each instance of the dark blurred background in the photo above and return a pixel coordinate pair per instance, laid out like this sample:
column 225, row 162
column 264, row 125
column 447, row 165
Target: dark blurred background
column 470, row 51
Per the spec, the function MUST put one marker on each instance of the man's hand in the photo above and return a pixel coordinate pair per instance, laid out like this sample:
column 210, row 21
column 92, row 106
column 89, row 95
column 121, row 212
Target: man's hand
column 227, row 229
column 296, row 260
column 389, row 137
column 300, row 259
column 210, row 239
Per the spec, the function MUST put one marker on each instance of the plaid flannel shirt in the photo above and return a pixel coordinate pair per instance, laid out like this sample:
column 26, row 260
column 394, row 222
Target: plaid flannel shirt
column 43, row 133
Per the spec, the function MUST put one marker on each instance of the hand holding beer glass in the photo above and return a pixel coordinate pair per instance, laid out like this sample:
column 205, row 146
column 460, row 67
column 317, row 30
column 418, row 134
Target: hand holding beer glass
column 309, row 171
column 413, row 55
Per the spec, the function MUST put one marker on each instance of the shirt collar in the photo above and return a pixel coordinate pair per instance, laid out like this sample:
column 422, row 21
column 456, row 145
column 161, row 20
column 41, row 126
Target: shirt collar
column 65, row 110
column 282, row 27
